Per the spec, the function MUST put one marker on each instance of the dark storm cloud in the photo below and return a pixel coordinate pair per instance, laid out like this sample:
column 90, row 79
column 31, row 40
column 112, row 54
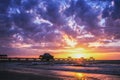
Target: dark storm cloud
column 112, row 11
column 23, row 20
column 84, row 14
column 112, row 16
column 29, row 4
column 4, row 4
column 4, row 25
column 116, row 11
column 51, row 12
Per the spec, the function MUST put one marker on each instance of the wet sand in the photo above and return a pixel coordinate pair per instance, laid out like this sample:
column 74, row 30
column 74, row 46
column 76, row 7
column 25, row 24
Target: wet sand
column 61, row 75
column 28, row 71
column 8, row 75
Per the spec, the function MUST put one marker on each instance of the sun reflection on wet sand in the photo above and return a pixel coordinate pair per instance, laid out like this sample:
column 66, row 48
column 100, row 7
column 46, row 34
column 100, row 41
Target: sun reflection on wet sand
column 66, row 75
column 88, row 76
column 80, row 76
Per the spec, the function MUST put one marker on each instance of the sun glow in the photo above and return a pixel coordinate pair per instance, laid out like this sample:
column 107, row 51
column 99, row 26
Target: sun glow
column 78, row 55
column 69, row 40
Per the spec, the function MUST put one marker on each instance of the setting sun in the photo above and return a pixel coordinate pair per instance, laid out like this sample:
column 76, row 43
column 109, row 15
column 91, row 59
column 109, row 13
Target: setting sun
column 77, row 55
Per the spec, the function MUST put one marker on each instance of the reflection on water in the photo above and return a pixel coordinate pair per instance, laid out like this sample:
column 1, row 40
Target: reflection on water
column 64, row 72
column 86, row 76
column 66, row 75
column 80, row 76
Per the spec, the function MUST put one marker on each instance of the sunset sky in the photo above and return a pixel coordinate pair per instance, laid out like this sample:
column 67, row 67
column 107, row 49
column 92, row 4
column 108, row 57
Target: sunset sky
column 76, row 28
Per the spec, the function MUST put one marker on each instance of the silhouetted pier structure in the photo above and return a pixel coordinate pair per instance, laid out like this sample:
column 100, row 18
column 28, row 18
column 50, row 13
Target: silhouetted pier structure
column 34, row 59
column 3, row 56
column 46, row 57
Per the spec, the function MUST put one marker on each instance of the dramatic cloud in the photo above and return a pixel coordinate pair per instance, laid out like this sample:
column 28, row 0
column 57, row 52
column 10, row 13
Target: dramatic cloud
column 36, row 24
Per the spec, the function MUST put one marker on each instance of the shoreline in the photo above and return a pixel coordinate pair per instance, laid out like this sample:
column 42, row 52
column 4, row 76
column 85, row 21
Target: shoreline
column 12, row 75
column 56, row 72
